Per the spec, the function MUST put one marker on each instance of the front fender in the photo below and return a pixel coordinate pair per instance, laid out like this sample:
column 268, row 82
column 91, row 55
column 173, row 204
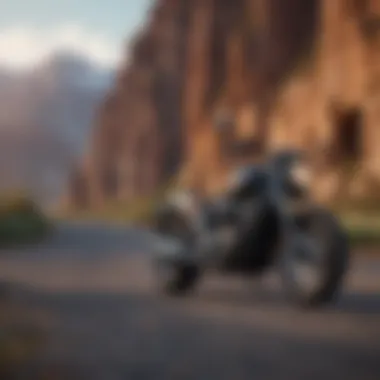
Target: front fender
column 172, row 231
column 166, row 215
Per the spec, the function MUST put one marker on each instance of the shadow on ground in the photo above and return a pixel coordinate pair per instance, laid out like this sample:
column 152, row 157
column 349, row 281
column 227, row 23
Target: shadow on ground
column 212, row 335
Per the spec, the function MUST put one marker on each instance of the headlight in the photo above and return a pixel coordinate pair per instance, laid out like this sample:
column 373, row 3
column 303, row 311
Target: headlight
column 184, row 200
column 237, row 177
column 234, row 179
column 301, row 174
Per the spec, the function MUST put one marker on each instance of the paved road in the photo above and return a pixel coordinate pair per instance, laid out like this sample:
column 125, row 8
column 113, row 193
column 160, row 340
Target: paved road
column 93, row 284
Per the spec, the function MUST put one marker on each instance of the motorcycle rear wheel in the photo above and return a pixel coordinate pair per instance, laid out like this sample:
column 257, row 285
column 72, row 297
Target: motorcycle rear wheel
column 331, row 257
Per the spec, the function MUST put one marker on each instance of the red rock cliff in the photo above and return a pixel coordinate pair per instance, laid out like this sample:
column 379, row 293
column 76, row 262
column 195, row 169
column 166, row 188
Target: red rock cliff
column 286, row 72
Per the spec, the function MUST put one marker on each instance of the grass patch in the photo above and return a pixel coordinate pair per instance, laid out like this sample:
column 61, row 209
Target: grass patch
column 363, row 230
column 21, row 221
column 361, row 218
column 138, row 211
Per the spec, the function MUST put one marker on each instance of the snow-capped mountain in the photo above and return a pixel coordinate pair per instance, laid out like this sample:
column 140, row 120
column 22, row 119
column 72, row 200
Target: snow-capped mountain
column 46, row 115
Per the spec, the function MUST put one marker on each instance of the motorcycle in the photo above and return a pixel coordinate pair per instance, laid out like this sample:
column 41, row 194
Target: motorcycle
column 266, row 218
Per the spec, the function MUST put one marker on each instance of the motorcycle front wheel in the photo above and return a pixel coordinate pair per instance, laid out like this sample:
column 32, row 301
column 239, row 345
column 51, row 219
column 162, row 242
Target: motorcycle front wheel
column 174, row 275
column 176, row 279
column 314, row 259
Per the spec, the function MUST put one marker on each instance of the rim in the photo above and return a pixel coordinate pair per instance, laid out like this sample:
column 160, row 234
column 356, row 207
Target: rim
column 175, row 239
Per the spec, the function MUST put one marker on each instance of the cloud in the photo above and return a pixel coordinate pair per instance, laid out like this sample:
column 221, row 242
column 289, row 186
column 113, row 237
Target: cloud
column 23, row 47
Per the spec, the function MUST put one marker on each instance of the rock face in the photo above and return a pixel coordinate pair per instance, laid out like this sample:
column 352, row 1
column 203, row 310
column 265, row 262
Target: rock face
column 206, row 74
column 137, row 143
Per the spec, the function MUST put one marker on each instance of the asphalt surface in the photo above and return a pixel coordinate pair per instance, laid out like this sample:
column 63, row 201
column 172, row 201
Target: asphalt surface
column 105, row 320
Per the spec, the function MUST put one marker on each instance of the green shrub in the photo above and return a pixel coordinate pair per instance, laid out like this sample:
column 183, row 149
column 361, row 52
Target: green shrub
column 17, row 204
column 21, row 220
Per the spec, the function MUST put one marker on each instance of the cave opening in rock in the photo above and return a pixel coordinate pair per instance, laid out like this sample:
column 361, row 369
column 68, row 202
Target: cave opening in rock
column 349, row 125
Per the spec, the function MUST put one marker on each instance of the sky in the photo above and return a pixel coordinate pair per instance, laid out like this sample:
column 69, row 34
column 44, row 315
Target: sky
column 32, row 30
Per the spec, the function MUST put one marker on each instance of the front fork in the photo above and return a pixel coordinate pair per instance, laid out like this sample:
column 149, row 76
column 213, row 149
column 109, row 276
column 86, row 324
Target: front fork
column 290, row 233
column 296, row 242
